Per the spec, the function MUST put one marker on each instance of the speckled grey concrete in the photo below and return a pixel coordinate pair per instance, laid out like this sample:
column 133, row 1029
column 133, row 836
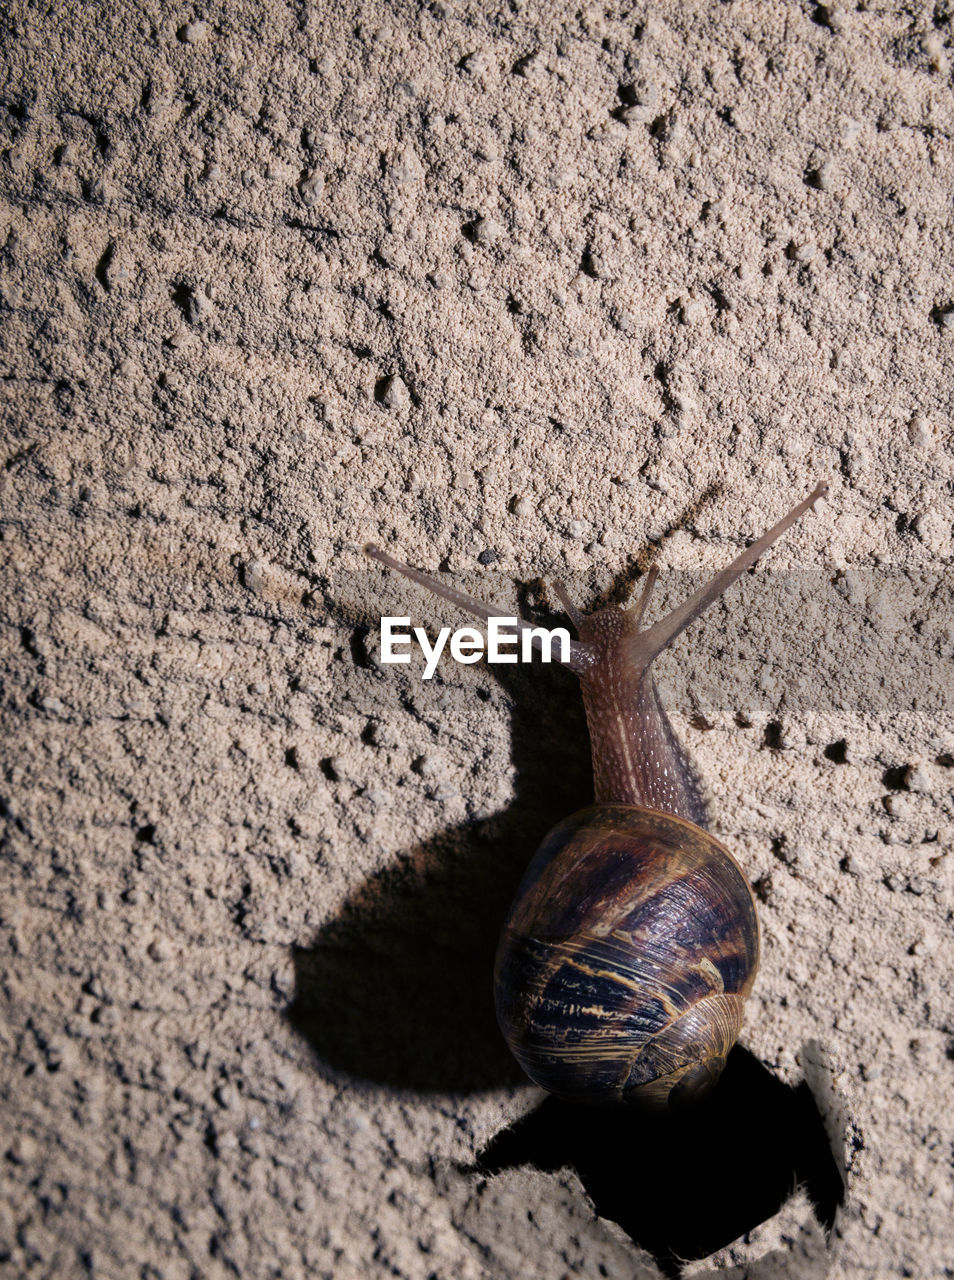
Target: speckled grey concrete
column 518, row 292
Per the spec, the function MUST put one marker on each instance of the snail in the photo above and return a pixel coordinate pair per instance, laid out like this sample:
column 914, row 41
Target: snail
column 633, row 940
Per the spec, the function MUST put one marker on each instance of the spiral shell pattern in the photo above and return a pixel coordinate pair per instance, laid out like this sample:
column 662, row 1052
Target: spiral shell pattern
column 629, row 950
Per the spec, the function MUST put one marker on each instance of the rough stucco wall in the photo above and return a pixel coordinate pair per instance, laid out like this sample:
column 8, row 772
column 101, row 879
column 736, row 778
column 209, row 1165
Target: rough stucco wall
column 585, row 290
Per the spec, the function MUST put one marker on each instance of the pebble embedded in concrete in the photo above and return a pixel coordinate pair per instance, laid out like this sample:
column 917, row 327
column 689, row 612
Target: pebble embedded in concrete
column 311, row 188
column 824, row 175
column 693, row 311
column 486, row 230
column 255, row 575
column 919, row 431
column 395, row 395
column 805, row 251
column 194, row 32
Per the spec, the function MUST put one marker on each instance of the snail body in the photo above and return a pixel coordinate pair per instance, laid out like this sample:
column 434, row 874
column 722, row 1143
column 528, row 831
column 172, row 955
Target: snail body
column 633, row 939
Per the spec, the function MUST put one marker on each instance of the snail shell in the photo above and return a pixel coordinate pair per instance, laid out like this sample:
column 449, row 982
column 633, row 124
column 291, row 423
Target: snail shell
column 628, row 952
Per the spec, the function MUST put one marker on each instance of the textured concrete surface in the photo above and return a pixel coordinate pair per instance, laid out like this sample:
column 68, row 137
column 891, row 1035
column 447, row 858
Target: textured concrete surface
column 519, row 292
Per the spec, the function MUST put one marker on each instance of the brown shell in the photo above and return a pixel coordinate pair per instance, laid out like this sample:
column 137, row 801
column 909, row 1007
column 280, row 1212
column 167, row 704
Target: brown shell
column 629, row 949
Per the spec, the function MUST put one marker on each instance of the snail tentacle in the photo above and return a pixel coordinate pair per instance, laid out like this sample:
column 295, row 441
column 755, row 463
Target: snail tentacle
column 569, row 608
column 638, row 610
column 578, row 660
column 650, row 643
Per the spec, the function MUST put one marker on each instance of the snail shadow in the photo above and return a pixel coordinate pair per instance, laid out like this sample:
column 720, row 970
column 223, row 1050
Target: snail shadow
column 396, row 992
column 397, row 989
column 683, row 1185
